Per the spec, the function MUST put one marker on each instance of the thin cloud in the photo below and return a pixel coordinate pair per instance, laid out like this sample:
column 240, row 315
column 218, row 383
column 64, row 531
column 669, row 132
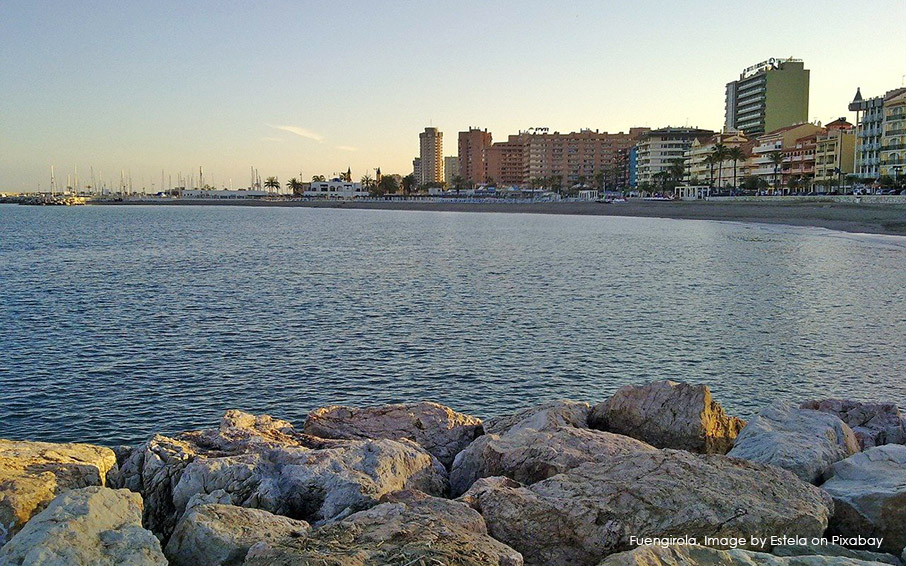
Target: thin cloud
column 347, row 148
column 302, row 132
column 272, row 139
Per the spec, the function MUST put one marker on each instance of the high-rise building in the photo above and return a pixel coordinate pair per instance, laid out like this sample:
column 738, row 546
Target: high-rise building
column 472, row 157
column 659, row 149
column 768, row 96
column 431, row 156
column 870, row 130
column 451, row 169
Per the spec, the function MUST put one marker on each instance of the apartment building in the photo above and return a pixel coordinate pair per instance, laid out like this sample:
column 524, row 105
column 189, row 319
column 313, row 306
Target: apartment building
column 451, row 169
column 431, row 157
column 768, row 96
column 870, row 130
column 834, row 150
column 658, row 149
column 472, row 145
column 700, row 171
column 537, row 156
column 783, row 140
column 893, row 142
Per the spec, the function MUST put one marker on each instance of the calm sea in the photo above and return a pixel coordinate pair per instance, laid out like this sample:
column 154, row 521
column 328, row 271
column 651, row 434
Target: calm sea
column 118, row 322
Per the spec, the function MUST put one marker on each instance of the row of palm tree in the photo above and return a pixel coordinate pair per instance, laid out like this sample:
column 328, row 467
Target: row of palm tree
column 718, row 156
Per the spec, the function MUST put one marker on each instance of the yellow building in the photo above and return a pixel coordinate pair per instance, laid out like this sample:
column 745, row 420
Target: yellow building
column 893, row 138
column 834, row 152
column 700, row 172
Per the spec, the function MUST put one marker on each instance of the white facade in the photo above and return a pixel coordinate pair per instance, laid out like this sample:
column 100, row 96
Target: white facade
column 222, row 194
column 335, row 188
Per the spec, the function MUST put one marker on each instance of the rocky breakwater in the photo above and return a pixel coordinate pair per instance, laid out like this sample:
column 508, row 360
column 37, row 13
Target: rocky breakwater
column 563, row 483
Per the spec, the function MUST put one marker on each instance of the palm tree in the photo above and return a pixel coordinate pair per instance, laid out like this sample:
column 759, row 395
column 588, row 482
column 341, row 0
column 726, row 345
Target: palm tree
column 272, row 183
column 677, row 170
column 776, row 158
column 408, row 183
column 734, row 154
column 295, row 186
column 367, row 181
column 720, row 154
column 710, row 162
column 318, row 178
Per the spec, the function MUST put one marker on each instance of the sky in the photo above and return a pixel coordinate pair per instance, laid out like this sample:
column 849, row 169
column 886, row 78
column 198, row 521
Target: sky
column 298, row 88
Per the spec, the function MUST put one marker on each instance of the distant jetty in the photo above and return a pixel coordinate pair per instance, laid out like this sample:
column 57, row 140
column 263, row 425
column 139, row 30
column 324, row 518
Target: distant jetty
column 658, row 474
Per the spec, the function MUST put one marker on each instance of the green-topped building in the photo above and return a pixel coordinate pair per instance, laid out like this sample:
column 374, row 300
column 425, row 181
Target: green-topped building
column 768, row 96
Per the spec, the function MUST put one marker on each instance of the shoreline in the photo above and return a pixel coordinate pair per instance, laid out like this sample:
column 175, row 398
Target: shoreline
column 883, row 219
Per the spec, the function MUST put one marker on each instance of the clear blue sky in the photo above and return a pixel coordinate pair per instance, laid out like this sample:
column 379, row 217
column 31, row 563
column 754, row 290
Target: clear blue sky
column 316, row 87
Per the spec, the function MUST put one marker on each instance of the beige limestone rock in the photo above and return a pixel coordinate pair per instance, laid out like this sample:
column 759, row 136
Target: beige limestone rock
column 869, row 492
column 668, row 414
column 874, row 424
column 692, row 555
column 438, row 429
column 582, row 515
column 408, row 528
column 221, row 535
column 528, row 455
column 33, row 473
column 264, row 463
column 549, row 415
column 802, row 441
column 92, row 526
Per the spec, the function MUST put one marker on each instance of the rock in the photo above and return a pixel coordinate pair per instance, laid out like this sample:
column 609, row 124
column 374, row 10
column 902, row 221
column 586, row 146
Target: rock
column 835, row 550
column 802, row 441
column 586, row 513
column 314, row 485
column 667, row 414
column 693, row 555
column 261, row 462
column 874, row 424
column 408, row 528
column 548, row 415
column 33, row 473
column 92, row 526
column 869, row 492
column 220, row 535
column 438, row 429
column 528, row 456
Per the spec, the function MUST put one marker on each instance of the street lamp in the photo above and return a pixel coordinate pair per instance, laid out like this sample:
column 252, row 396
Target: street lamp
column 896, row 179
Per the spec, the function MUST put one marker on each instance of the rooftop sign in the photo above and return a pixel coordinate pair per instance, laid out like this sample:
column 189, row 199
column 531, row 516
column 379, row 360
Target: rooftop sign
column 771, row 63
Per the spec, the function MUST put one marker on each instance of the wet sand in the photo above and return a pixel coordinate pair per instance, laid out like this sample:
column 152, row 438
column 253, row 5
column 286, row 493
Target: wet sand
column 889, row 218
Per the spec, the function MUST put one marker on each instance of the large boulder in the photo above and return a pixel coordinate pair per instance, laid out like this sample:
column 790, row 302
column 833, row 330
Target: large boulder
column 314, row 485
column 409, row 528
column 667, row 414
column 438, row 429
column 221, row 535
column 869, row 492
column 33, row 473
column 803, row 441
column 586, row 513
column 548, row 415
column 831, row 550
column 92, row 526
column 874, row 424
column 694, row 555
column 264, row 463
column 528, row 456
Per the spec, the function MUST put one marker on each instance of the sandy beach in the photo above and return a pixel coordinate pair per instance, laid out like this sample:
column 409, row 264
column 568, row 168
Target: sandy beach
column 889, row 218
